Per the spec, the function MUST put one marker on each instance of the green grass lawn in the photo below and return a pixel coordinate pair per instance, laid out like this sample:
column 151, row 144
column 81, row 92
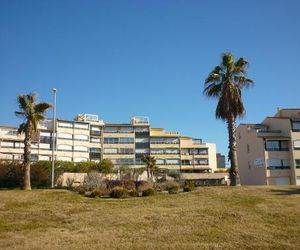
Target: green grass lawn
column 208, row 218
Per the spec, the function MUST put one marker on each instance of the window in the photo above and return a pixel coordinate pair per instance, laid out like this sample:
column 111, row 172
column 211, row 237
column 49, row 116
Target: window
column 172, row 151
column 141, row 129
column 297, row 145
column 172, row 162
column 44, row 158
column 63, row 147
column 46, row 134
column 164, row 140
column 142, row 140
column 297, row 163
column 95, row 128
column 125, row 150
column 118, row 129
column 157, row 151
column 185, row 162
column 276, row 146
column 34, row 157
column 296, row 126
column 65, row 136
column 81, row 138
column 142, row 145
column 81, row 126
column 7, row 144
column 201, row 161
column 122, row 140
column 65, row 124
column 110, row 151
column 160, row 162
column 80, row 149
column 142, row 151
column 95, row 140
column 64, row 158
column 95, row 153
column 123, row 161
column 278, row 164
column 203, row 151
column 45, row 146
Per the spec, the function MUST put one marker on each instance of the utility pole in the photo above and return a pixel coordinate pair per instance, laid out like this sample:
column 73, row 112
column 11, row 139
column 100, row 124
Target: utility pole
column 53, row 136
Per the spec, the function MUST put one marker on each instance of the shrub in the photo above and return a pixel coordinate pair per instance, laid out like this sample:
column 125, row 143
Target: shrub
column 93, row 180
column 148, row 192
column 160, row 186
column 143, row 185
column 10, row 174
column 118, row 192
column 188, row 187
column 127, row 184
column 80, row 190
column 172, row 187
column 134, row 193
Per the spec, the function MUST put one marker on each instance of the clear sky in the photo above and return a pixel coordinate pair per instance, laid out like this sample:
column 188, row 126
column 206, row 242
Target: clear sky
column 124, row 58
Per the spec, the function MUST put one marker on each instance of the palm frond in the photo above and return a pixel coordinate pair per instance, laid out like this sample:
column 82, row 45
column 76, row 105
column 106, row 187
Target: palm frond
column 241, row 65
column 20, row 114
column 228, row 61
column 22, row 128
column 213, row 90
column 243, row 82
column 22, row 102
column 42, row 107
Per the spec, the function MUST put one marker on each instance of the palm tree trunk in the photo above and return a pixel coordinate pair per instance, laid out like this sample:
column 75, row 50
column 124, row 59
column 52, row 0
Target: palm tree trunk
column 232, row 155
column 148, row 173
column 27, row 159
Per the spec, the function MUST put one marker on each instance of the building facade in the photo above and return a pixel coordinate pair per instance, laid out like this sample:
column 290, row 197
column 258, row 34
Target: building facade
column 88, row 138
column 221, row 162
column 269, row 152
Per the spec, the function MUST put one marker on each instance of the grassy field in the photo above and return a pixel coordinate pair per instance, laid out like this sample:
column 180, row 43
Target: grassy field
column 208, row 218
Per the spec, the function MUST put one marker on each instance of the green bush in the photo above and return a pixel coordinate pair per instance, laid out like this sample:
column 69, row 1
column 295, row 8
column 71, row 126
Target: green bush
column 172, row 187
column 148, row 192
column 10, row 174
column 118, row 192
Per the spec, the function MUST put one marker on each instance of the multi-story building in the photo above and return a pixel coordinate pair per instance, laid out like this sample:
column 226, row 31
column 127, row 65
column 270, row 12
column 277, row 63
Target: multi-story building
column 88, row 138
column 221, row 162
column 269, row 152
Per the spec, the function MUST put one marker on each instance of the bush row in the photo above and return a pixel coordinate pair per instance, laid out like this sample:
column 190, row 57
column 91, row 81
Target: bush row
column 11, row 171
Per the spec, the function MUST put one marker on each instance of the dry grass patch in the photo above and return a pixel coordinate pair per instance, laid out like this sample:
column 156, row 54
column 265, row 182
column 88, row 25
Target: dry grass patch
column 208, row 218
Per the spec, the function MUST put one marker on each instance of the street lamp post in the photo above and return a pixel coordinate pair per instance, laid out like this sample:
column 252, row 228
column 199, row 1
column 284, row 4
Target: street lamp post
column 53, row 135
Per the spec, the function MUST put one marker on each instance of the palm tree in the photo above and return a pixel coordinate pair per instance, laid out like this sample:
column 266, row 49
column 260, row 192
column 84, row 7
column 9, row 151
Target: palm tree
column 32, row 113
column 150, row 163
column 225, row 83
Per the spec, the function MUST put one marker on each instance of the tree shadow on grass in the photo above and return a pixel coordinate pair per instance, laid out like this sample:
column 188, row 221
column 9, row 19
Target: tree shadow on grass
column 288, row 191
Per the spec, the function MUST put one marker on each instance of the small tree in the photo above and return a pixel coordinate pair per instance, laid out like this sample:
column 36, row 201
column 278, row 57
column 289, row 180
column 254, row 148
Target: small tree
column 106, row 166
column 150, row 163
column 32, row 113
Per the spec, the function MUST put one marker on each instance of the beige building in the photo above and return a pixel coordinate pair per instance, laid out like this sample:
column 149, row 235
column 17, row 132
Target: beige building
column 269, row 152
column 88, row 138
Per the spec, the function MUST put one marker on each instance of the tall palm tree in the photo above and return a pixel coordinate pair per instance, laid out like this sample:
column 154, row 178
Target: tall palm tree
column 225, row 83
column 150, row 163
column 32, row 113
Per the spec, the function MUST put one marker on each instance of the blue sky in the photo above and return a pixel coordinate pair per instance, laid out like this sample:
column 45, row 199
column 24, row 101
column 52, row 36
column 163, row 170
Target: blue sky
column 124, row 58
